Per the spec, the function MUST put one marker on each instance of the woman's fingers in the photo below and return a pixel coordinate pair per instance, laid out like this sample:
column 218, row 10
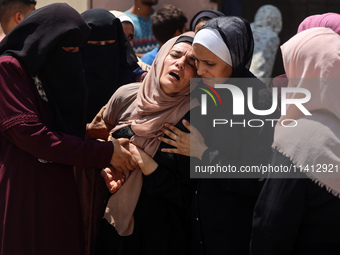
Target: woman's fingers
column 114, row 186
column 173, row 150
column 167, row 141
column 187, row 144
column 187, row 124
column 170, row 134
column 113, row 179
column 174, row 130
column 106, row 173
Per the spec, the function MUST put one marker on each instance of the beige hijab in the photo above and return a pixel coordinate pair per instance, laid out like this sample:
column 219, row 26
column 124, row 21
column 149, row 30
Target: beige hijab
column 146, row 108
column 312, row 61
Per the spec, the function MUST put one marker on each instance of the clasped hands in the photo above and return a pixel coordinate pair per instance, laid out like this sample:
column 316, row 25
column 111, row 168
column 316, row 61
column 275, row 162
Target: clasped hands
column 126, row 157
column 188, row 144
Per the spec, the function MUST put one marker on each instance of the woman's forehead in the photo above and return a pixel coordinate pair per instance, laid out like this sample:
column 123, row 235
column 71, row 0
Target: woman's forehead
column 201, row 51
column 182, row 47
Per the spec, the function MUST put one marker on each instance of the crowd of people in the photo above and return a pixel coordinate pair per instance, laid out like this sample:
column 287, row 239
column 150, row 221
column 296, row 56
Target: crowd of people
column 97, row 147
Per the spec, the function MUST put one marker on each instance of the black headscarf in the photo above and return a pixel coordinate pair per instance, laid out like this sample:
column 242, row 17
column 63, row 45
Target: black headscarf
column 207, row 14
column 238, row 37
column 37, row 43
column 105, row 65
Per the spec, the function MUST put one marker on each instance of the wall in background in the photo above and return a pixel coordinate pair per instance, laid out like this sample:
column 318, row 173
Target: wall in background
column 189, row 7
column 79, row 5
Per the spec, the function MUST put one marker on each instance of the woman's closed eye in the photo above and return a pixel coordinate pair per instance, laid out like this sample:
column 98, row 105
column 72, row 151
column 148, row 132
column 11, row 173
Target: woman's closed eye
column 175, row 55
column 209, row 63
column 204, row 62
column 191, row 62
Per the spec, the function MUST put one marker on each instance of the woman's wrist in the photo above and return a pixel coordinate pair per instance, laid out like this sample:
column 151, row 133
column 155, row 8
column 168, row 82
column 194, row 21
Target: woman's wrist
column 149, row 168
column 201, row 151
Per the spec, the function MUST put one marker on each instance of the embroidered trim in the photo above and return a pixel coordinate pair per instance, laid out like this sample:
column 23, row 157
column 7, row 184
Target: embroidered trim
column 18, row 119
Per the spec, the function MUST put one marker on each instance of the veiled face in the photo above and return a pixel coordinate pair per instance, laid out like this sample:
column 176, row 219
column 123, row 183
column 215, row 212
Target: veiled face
column 209, row 65
column 129, row 31
column 101, row 42
column 178, row 69
column 71, row 49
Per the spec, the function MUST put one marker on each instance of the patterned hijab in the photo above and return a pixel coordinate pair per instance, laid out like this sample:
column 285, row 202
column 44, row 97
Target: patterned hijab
column 266, row 27
column 37, row 43
column 268, row 17
column 315, row 140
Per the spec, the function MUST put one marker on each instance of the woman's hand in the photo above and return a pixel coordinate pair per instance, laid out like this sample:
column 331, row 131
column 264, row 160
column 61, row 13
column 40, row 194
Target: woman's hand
column 187, row 144
column 146, row 163
column 114, row 179
column 122, row 160
column 98, row 128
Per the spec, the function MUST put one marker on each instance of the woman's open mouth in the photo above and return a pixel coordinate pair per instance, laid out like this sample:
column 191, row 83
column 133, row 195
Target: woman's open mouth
column 175, row 74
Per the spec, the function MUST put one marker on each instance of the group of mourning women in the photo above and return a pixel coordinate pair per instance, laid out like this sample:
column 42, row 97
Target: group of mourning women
column 89, row 165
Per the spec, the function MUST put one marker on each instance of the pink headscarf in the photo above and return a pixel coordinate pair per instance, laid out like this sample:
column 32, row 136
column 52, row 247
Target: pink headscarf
column 315, row 140
column 330, row 20
column 146, row 108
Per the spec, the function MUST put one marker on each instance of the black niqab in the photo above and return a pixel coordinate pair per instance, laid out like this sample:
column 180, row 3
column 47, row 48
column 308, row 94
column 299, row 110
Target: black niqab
column 105, row 65
column 238, row 37
column 37, row 43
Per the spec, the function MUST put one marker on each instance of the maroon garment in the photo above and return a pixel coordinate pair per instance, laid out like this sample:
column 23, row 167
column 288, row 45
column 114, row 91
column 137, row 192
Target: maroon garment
column 39, row 205
column 93, row 195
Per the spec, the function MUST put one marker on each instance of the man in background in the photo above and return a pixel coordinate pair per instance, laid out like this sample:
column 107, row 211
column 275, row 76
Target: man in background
column 12, row 12
column 140, row 13
column 167, row 22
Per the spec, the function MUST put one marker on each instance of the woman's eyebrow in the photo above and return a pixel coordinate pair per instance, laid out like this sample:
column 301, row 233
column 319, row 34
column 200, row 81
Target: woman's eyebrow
column 203, row 60
column 178, row 51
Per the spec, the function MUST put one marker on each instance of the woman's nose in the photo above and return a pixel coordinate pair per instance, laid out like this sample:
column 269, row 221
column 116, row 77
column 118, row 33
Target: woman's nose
column 200, row 69
column 181, row 62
